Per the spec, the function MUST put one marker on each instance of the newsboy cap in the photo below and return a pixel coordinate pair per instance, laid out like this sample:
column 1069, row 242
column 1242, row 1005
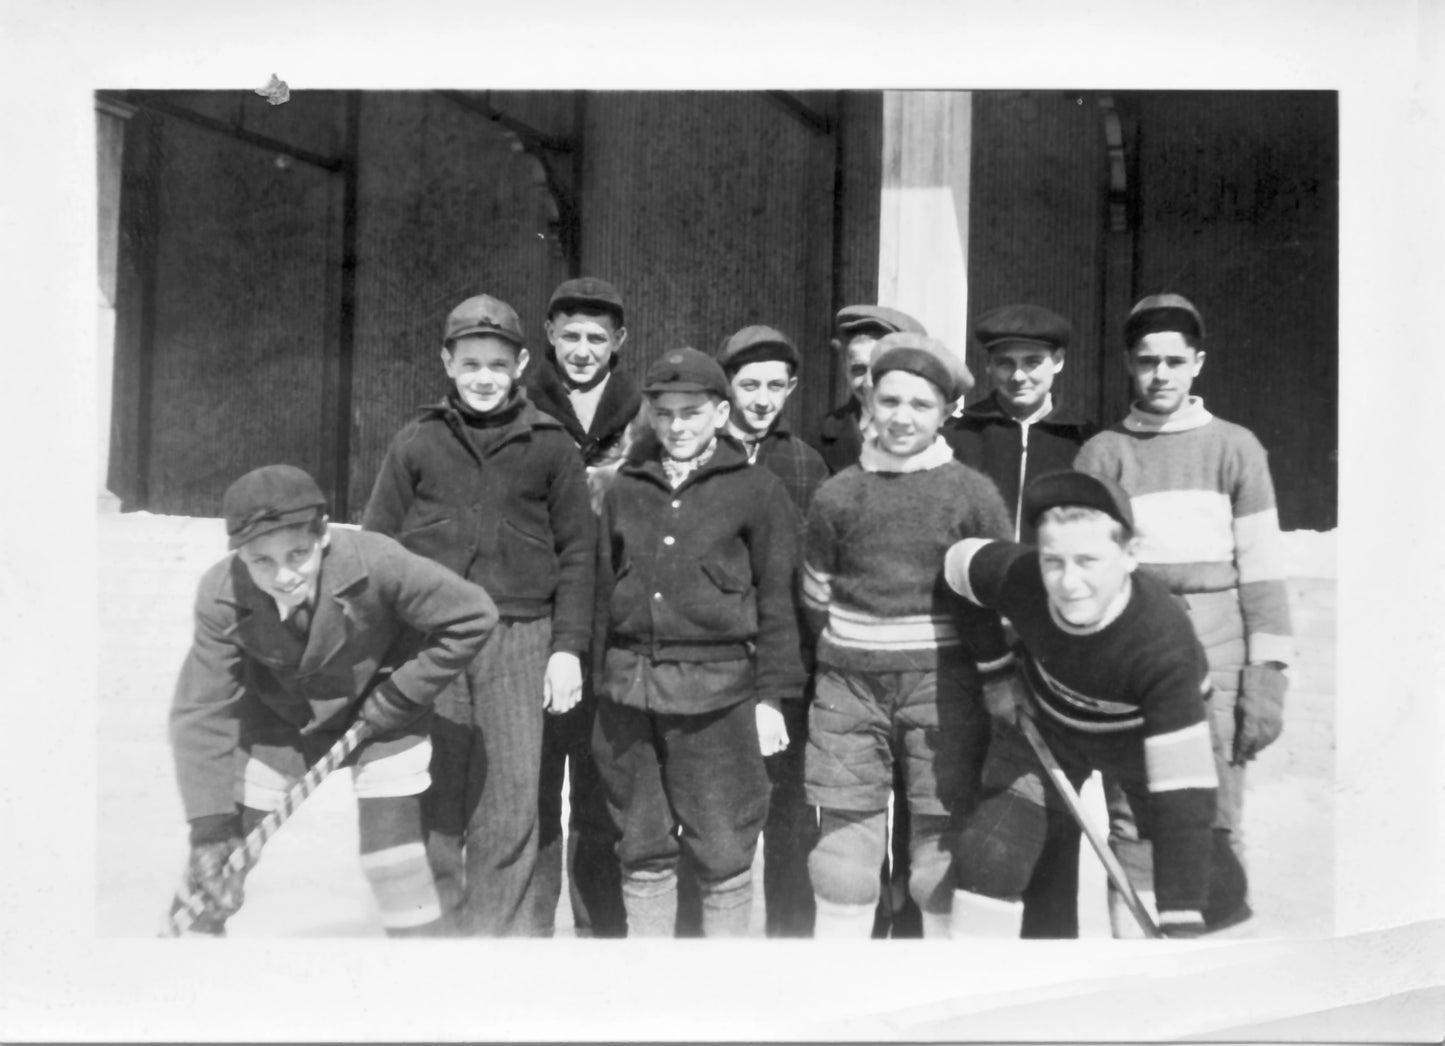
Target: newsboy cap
column 1068, row 487
column 881, row 317
column 484, row 314
column 267, row 499
column 1163, row 312
column 927, row 357
column 588, row 291
column 685, row 370
column 1031, row 324
column 756, row 343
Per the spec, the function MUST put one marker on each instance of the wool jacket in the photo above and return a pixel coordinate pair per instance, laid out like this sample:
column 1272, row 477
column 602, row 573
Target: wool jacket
column 701, row 574
column 510, row 513
column 605, row 441
column 1010, row 453
column 1141, row 678
column 379, row 611
column 800, row 467
column 873, row 581
column 1205, row 513
column 839, row 438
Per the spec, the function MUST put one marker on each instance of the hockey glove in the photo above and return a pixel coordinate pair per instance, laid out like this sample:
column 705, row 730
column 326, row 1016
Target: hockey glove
column 212, row 840
column 1006, row 697
column 1259, row 715
column 386, row 709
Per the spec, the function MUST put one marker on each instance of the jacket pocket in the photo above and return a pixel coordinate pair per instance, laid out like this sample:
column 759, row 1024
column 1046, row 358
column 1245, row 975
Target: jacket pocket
column 436, row 539
column 526, row 563
column 726, row 579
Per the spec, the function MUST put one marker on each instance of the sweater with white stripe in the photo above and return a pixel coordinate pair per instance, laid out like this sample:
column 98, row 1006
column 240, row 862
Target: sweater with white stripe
column 1140, row 675
column 873, row 588
column 1205, row 512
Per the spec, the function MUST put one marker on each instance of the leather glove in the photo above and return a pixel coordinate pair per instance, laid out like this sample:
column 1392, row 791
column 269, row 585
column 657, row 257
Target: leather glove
column 212, row 840
column 1006, row 697
column 386, row 709
column 1259, row 713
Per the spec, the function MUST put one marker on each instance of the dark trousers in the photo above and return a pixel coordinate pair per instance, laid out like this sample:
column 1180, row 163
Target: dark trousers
column 594, row 885
column 683, row 783
column 790, row 834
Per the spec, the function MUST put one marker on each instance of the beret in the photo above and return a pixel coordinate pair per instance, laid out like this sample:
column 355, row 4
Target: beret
column 1068, row 487
column 927, row 357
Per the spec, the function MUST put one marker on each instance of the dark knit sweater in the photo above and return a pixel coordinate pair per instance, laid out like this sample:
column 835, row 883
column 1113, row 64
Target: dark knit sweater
column 873, row 566
column 1140, row 679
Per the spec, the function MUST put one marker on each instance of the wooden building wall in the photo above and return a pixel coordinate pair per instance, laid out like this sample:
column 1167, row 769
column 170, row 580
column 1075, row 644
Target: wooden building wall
column 285, row 271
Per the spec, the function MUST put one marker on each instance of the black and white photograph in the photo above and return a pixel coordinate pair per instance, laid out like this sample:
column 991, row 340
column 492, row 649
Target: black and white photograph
column 929, row 514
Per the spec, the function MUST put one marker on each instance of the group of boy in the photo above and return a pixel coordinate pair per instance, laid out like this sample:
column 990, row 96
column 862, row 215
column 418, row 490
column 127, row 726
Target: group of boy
column 714, row 653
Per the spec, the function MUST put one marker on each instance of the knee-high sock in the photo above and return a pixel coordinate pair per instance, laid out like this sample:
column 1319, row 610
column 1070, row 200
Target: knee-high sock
column 393, row 857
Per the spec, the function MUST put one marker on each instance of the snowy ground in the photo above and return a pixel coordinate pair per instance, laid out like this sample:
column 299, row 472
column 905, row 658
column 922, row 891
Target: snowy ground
column 309, row 883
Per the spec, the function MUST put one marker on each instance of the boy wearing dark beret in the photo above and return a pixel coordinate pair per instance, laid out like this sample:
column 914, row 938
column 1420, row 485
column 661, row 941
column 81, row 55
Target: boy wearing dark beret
column 696, row 560
column 896, row 683
column 299, row 632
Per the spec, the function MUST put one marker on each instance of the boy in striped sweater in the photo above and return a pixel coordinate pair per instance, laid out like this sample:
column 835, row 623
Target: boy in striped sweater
column 1209, row 529
column 1117, row 679
column 895, row 678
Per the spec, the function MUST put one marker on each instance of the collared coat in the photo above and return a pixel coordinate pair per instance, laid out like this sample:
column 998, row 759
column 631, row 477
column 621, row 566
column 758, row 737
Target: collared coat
column 380, row 612
column 604, row 442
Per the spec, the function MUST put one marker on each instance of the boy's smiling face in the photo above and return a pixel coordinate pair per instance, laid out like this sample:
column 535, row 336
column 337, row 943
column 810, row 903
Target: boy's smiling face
column 759, row 391
column 1086, row 567
column 685, row 422
column 584, row 343
column 1022, row 375
column 484, row 369
column 908, row 411
column 284, row 563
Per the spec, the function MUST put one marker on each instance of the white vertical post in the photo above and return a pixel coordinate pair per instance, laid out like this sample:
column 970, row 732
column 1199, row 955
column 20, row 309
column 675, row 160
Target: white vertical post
column 110, row 120
column 923, row 234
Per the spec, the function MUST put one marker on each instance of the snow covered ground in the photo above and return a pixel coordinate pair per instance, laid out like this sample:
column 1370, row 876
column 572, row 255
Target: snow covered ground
column 309, row 883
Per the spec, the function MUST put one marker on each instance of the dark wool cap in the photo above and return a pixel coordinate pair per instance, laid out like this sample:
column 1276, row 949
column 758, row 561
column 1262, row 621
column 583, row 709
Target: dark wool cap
column 1031, row 324
column 1067, row 487
column 588, row 291
column 927, row 357
column 1163, row 312
column 484, row 315
column 877, row 317
column 267, row 499
column 754, row 344
column 685, row 370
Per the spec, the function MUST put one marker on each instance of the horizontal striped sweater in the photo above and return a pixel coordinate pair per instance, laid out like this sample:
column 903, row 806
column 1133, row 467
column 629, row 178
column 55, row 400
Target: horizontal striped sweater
column 1205, row 512
column 1142, row 676
column 873, row 589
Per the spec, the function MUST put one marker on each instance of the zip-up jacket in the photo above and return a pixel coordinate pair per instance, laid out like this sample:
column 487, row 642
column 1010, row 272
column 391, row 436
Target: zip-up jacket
column 511, row 514
column 1011, row 453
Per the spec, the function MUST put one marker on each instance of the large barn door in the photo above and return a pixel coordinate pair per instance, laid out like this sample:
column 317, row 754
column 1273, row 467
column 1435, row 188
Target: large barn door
column 231, row 254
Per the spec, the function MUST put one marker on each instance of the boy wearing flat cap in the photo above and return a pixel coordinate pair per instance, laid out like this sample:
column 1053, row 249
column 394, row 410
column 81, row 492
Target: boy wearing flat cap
column 492, row 488
column 1014, row 435
column 298, row 633
column 896, row 683
column 858, row 327
column 1118, row 682
column 696, row 560
column 578, row 383
column 761, row 366
column 1209, row 529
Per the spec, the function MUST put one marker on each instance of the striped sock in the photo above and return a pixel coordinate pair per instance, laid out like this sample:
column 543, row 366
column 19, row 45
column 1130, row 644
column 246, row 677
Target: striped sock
column 393, row 857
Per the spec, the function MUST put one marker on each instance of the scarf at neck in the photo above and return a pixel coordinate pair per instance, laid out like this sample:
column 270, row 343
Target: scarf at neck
column 506, row 411
column 678, row 471
column 875, row 459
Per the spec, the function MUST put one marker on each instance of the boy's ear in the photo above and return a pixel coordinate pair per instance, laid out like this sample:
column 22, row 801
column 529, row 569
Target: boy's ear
column 446, row 357
column 837, row 345
column 621, row 337
column 547, row 327
column 523, row 358
column 724, row 409
column 1198, row 361
column 1058, row 360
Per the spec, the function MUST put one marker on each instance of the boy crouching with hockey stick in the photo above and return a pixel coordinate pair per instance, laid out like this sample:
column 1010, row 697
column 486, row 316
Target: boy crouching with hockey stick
column 1119, row 681
column 299, row 633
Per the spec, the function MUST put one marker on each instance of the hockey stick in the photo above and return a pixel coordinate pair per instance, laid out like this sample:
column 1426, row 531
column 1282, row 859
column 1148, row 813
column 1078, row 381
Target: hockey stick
column 190, row 905
column 1115, row 871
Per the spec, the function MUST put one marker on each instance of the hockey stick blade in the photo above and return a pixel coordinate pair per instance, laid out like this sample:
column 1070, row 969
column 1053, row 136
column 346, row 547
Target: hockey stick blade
column 189, row 905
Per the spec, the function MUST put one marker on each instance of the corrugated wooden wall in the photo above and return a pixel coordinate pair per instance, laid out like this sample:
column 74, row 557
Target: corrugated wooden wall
column 1036, row 223
column 1239, row 212
column 242, row 247
column 712, row 211
column 447, row 208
